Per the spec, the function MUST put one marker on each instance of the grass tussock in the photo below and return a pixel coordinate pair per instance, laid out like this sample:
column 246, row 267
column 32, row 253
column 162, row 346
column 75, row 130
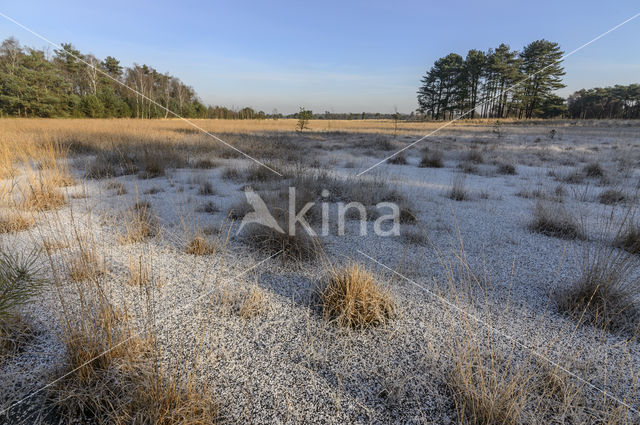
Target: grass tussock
column 604, row 293
column 458, row 191
column 611, row 197
column 113, row 377
column 629, row 238
column 246, row 303
column 399, row 159
column 507, row 169
column 431, row 159
column 43, row 197
column 354, row 299
column 138, row 271
column 15, row 222
column 593, row 169
column 85, row 266
column 298, row 247
column 552, row 219
column 200, row 246
column 140, row 223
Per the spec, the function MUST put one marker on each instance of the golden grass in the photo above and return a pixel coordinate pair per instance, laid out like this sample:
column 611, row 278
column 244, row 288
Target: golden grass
column 140, row 223
column 15, row 222
column 200, row 246
column 353, row 298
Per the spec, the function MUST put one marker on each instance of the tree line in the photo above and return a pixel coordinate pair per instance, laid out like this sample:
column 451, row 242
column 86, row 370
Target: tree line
column 608, row 102
column 498, row 83
column 73, row 84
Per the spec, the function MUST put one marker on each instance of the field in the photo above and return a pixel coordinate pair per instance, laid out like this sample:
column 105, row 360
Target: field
column 129, row 293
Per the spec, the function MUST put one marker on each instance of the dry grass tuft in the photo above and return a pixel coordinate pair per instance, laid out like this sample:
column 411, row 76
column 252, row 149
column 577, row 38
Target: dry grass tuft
column 200, row 246
column 295, row 248
column 507, row 169
column 14, row 222
column 43, row 197
column 113, row 377
column 139, row 272
column 593, row 170
column 399, row 159
column 552, row 219
column 629, row 239
column 611, row 197
column 458, row 191
column 431, row 159
column 246, row 303
column 353, row 299
column 140, row 223
column 85, row 266
column 604, row 294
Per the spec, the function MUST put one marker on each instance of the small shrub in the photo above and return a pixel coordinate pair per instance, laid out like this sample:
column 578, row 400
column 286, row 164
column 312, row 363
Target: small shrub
column 552, row 219
column 611, row 197
column 593, row 170
column 574, row 177
column 431, row 159
column 458, row 191
column 14, row 222
column 200, row 246
column 353, row 299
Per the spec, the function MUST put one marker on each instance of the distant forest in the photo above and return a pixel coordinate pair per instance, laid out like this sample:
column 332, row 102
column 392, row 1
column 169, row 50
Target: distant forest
column 36, row 84
column 496, row 84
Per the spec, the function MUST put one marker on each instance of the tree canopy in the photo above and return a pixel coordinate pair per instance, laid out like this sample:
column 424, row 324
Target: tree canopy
column 498, row 83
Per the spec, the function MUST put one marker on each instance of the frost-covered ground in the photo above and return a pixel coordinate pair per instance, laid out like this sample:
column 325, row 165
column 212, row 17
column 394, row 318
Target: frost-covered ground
column 288, row 365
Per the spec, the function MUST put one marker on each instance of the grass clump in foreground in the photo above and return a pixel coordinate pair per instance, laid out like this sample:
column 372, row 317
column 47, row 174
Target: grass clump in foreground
column 114, row 377
column 604, row 294
column 629, row 239
column 354, row 299
column 19, row 281
column 552, row 219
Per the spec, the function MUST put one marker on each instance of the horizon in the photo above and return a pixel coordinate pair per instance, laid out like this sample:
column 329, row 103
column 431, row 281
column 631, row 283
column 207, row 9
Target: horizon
column 281, row 56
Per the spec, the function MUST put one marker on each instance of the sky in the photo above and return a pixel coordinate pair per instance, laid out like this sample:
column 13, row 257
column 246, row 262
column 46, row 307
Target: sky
column 339, row 56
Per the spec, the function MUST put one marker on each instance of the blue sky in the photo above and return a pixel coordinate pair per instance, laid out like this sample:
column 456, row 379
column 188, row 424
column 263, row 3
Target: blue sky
column 338, row 56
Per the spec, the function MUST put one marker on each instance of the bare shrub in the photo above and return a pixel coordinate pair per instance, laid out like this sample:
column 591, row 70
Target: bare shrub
column 552, row 219
column 354, row 299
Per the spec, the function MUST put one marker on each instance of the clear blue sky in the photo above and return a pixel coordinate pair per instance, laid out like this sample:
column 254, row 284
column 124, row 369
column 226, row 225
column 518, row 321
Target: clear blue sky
column 330, row 55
